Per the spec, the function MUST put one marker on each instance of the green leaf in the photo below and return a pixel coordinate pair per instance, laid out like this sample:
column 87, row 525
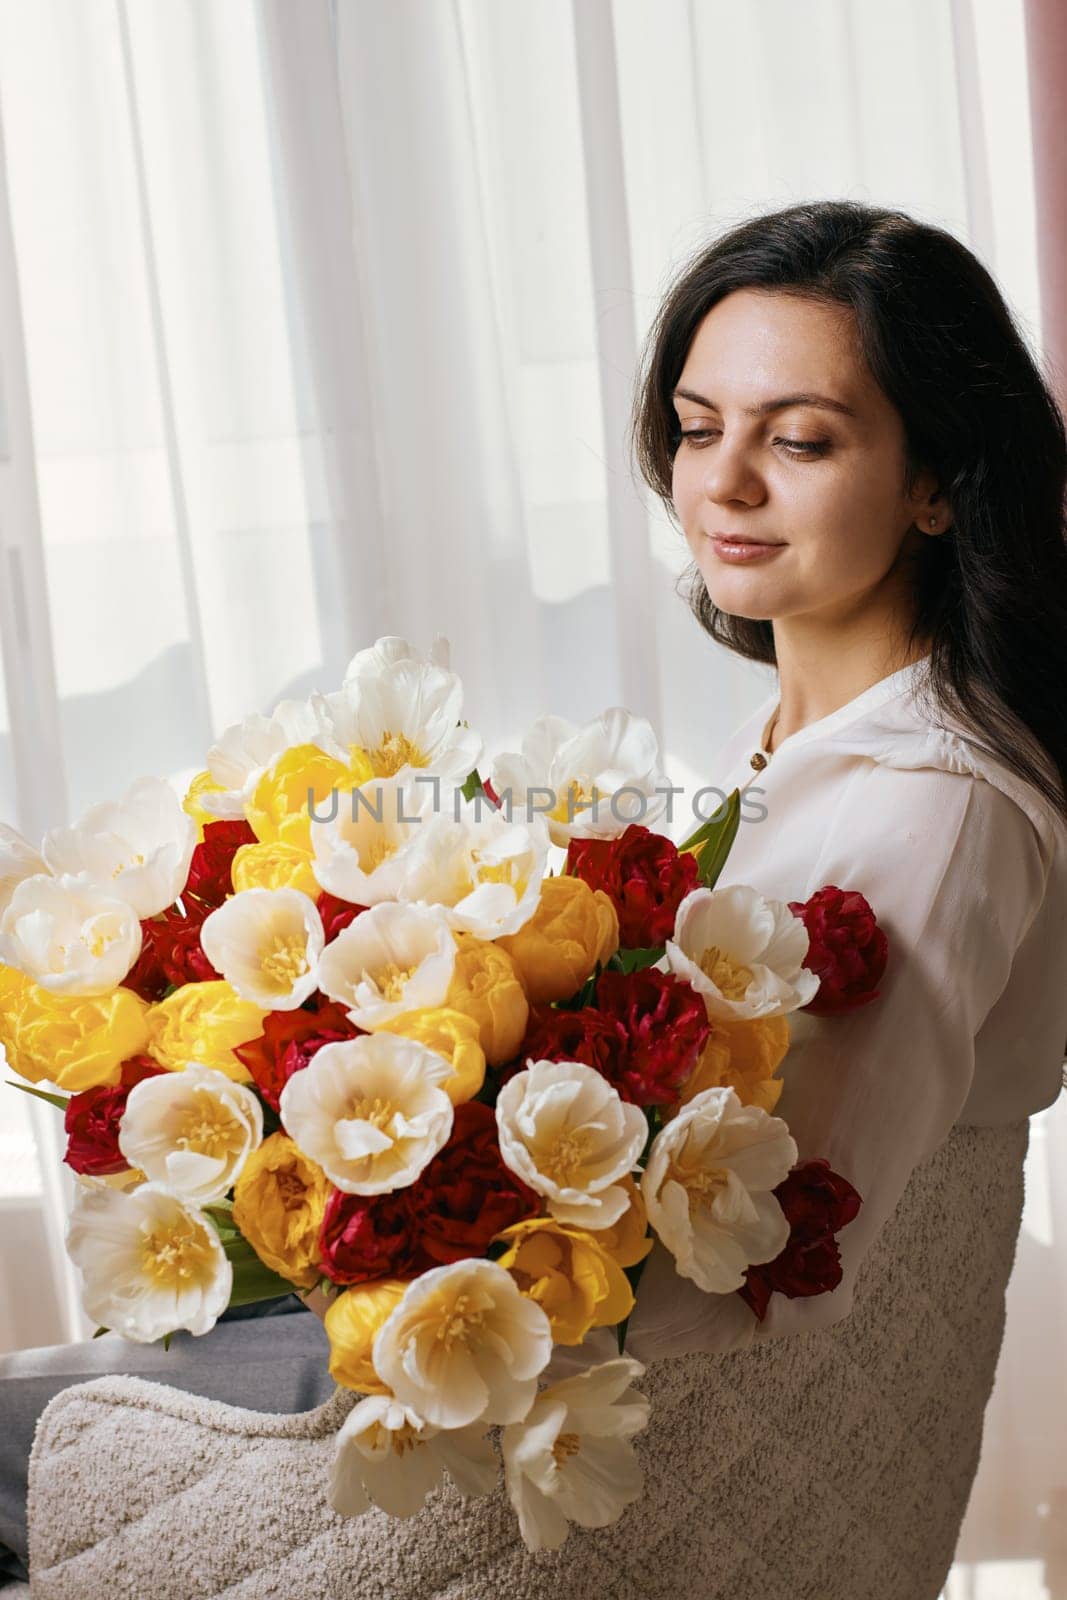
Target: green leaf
column 221, row 1214
column 585, row 995
column 633, row 1275
column 655, row 1123
column 472, row 785
column 711, row 843
column 637, row 960
column 167, row 1337
column 322, row 1282
column 39, row 1094
column 251, row 1279
column 99, row 1331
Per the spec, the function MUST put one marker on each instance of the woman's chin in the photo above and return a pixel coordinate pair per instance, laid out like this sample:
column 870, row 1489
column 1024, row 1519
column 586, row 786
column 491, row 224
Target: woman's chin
column 741, row 594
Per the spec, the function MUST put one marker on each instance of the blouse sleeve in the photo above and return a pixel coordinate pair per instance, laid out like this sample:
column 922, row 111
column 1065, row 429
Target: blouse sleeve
column 955, row 871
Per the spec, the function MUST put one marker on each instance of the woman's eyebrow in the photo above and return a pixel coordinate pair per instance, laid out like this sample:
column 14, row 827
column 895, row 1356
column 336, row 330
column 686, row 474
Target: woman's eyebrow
column 766, row 406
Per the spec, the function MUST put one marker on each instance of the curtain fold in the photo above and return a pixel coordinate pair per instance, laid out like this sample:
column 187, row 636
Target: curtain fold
column 1046, row 41
column 320, row 322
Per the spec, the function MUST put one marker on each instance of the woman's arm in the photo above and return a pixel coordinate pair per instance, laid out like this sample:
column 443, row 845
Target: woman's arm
column 955, row 872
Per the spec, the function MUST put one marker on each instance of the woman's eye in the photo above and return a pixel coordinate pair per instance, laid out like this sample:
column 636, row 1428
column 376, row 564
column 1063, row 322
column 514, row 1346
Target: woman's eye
column 804, row 447
column 799, row 448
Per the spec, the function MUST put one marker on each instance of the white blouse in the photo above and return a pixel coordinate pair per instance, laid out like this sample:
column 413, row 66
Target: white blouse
column 965, row 867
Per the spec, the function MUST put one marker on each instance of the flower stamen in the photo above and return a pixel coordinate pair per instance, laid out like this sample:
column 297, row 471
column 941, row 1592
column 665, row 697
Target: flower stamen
column 730, row 977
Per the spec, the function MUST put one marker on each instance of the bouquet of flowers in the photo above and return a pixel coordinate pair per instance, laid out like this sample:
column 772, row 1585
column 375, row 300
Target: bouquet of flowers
column 452, row 1052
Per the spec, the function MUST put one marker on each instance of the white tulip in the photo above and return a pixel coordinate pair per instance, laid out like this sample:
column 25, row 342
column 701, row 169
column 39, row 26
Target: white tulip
column 243, row 753
column 742, row 952
column 599, row 776
column 464, row 1345
column 137, row 848
column 394, row 958
column 370, row 1111
column 489, row 881
column 570, row 1459
column 567, row 1133
column 406, row 714
column 391, row 648
column 388, row 1456
column 387, row 841
column 68, row 935
column 266, row 943
column 191, row 1132
column 18, row 860
column 707, row 1188
column 149, row 1264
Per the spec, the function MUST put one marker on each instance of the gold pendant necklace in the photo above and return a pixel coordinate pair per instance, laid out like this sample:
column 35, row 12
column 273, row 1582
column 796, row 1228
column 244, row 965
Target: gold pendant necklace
column 759, row 759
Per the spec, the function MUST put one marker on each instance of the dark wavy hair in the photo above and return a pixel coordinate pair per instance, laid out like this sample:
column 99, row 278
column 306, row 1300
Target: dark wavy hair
column 991, row 592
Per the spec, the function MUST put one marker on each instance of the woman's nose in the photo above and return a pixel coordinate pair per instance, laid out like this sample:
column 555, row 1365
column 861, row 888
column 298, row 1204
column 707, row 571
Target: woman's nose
column 730, row 474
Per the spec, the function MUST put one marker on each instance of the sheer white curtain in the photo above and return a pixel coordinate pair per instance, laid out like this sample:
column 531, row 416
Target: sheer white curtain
column 319, row 322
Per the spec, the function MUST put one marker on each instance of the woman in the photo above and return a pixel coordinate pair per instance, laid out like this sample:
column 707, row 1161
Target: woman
column 869, row 473
column 844, row 386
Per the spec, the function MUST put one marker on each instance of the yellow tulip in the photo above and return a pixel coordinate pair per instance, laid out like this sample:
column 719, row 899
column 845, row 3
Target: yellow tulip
column 278, row 808
column 203, row 1022
column 75, row 1041
column 203, row 783
column 573, row 928
column 627, row 1241
column 351, row 1323
column 451, row 1034
column 274, row 866
column 279, row 1201
column 486, row 986
column 743, row 1056
column 577, row 1284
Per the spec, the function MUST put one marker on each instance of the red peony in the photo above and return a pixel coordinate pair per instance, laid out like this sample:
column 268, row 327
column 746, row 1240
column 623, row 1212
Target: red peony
column 466, row 1195
column 289, row 1040
column 91, row 1120
column 586, row 1035
column 171, row 953
column 665, row 1025
column 457, row 1205
column 209, row 879
column 817, row 1203
column 847, row 949
column 146, row 977
column 336, row 914
column 644, row 875
column 364, row 1237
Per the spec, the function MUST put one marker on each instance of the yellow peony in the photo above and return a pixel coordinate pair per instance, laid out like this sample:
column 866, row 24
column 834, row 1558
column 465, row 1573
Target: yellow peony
column 627, row 1241
column 279, row 1201
column 572, row 929
column 742, row 1056
column 486, row 986
column 577, row 1284
column 203, row 1022
column 278, row 809
column 351, row 1324
column 74, row 1041
column 203, row 783
column 274, row 866
column 454, row 1036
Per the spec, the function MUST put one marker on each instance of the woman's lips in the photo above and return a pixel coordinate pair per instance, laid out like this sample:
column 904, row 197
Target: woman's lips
column 735, row 550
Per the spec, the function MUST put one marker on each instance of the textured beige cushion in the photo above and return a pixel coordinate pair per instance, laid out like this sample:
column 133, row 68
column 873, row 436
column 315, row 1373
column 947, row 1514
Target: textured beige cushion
column 830, row 1466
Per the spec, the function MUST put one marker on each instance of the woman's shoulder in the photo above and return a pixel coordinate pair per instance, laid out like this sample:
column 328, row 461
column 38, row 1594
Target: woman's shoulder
column 906, row 733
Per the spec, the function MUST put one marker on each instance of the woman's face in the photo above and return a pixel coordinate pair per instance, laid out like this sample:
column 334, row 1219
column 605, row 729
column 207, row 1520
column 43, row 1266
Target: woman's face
column 821, row 477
